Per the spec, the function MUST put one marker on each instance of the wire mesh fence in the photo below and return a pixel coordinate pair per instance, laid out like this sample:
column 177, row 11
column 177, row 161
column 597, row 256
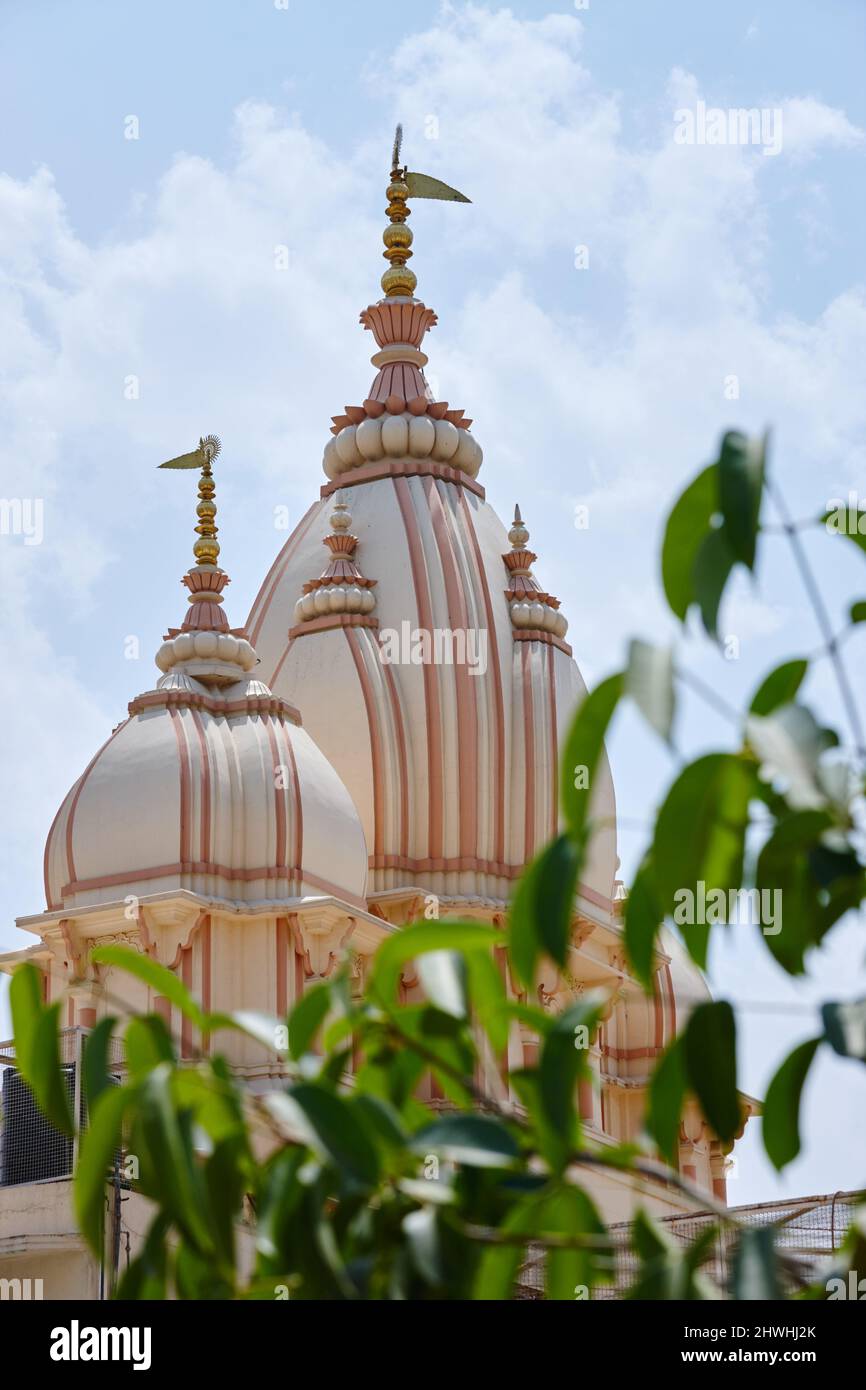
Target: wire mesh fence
column 808, row 1232
column 808, row 1229
column 31, row 1149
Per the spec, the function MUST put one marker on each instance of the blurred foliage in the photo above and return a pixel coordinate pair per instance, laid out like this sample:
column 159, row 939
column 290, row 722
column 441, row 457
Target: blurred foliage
column 358, row 1191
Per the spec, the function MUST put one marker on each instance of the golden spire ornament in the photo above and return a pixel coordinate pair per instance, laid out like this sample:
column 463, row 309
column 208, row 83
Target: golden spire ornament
column 398, row 279
column 206, row 549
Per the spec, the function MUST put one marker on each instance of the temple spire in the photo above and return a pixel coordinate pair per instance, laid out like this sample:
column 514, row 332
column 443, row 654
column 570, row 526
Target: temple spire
column 205, row 646
column 341, row 587
column 532, row 610
column 398, row 280
column 518, row 535
column 206, row 549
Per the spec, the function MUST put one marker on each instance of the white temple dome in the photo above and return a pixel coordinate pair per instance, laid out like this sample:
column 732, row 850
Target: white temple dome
column 225, row 796
column 210, row 785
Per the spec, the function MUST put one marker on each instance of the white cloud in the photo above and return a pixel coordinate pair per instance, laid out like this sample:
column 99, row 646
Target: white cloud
column 808, row 124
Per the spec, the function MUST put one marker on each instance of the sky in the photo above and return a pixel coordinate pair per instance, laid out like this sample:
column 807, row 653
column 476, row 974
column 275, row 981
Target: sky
column 612, row 301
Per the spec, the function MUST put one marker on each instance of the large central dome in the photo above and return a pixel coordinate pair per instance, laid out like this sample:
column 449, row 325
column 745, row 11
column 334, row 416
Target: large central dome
column 427, row 662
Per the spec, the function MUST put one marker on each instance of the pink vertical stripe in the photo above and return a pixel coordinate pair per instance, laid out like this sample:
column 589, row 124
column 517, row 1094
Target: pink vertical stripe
column 529, row 754
column 280, row 796
column 186, row 1025
column 282, row 978
column 499, row 706
column 465, row 684
column 183, row 756
column 402, row 758
column 554, row 745
column 431, row 689
column 204, row 783
column 375, row 741
column 284, row 737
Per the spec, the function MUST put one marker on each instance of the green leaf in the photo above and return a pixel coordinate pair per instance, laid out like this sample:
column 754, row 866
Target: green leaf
column 754, row 1271
column 647, row 1238
column 226, row 1175
column 162, row 981
column 382, row 1120
column 99, row 1143
column 858, row 611
column 669, row 1271
column 499, row 1264
column 420, row 938
column 569, row 1212
column 487, row 993
column 25, row 1002
column 147, row 1043
column 847, row 521
column 45, row 1078
column 687, row 527
column 713, row 564
column 423, row 1238
column 144, row 1280
column 649, row 680
column 442, row 975
column 779, row 687
column 667, row 1093
column 97, row 1050
column 788, row 742
column 564, row 1056
column 166, row 1133
column 196, row 1277
column 211, row 1093
column 584, row 748
column 543, row 907
column 780, row 1119
column 524, row 943
column 338, row 1131
column 264, row 1028
column 741, row 484
column 643, row 917
column 797, row 869
column 845, row 1028
column 700, row 838
column 307, row 1017
column 710, row 1057
column 477, row 1140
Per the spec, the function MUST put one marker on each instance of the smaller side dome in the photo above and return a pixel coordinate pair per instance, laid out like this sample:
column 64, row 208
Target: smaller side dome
column 224, row 795
column 210, row 784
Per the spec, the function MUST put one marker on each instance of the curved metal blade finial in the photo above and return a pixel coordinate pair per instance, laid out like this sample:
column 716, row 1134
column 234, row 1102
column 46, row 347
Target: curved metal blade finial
column 398, row 280
column 202, row 457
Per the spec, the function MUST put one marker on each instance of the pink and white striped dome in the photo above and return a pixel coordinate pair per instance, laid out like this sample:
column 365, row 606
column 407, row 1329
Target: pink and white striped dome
column 452, row 761
column 210, row 785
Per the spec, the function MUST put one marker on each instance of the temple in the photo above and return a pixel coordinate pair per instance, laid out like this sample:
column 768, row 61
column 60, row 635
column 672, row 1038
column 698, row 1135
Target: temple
column 379, row 741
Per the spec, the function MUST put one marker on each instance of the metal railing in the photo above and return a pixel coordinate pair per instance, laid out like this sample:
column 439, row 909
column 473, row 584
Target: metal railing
column 31, row 1149
column 809, row 1230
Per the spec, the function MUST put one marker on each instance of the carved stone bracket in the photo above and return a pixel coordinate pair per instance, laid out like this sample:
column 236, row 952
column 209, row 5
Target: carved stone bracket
column 321, row 934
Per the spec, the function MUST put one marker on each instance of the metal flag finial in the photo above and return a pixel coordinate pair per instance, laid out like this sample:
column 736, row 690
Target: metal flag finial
column 398, row 279
column 206, row 549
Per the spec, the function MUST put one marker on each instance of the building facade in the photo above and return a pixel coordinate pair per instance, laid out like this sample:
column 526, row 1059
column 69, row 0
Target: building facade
column 378, row 742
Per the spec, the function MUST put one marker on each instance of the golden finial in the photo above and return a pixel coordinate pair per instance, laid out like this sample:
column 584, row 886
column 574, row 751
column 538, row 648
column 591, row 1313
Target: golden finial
column 398, row 279
column 206, row 548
